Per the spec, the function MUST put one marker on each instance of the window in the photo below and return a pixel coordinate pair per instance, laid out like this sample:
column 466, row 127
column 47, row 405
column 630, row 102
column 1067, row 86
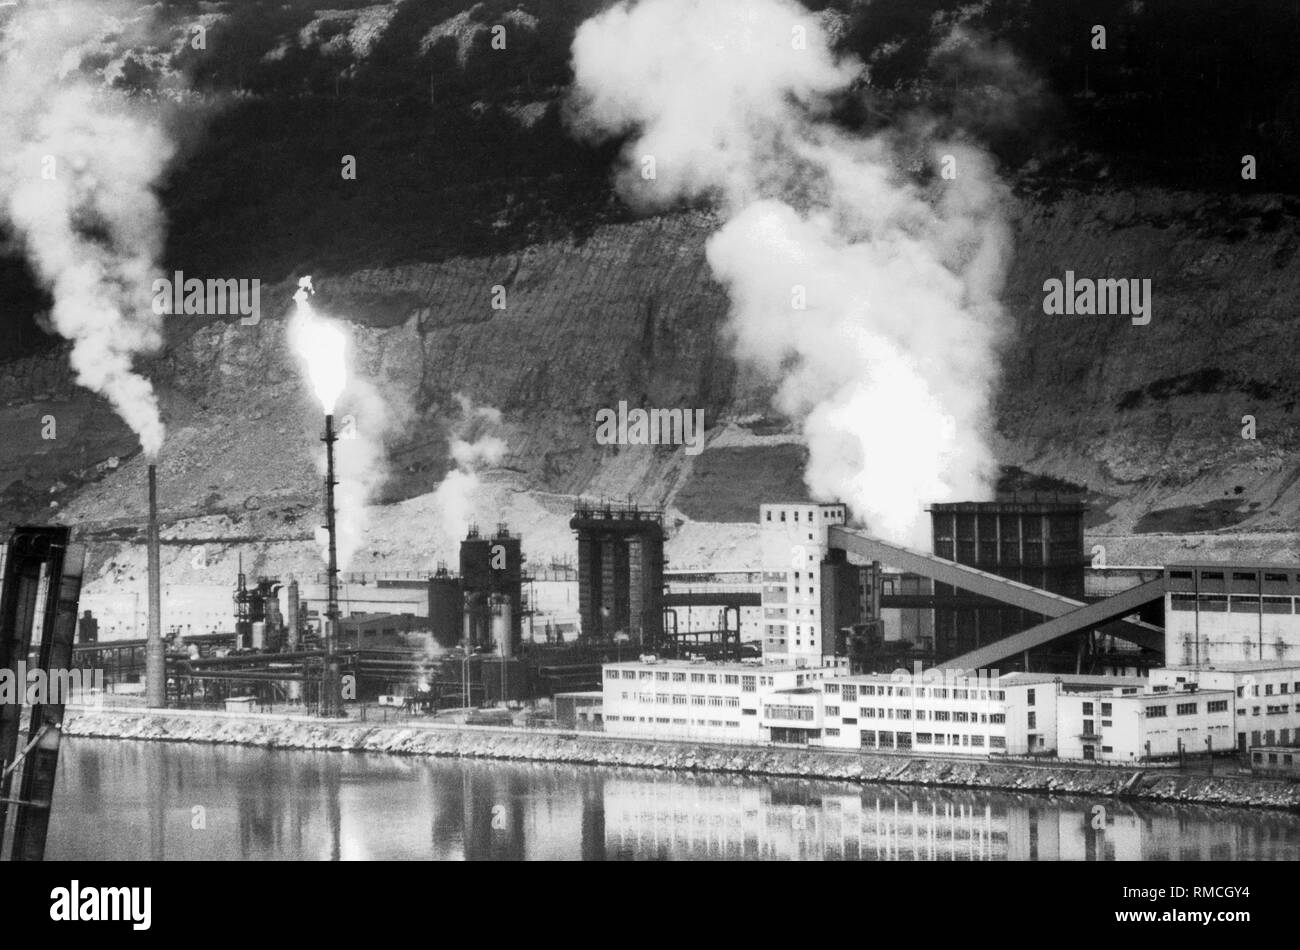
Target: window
column 1216, row 705
column 902, row 714
column 1090, row 727
column 1186, row 709
column 938, row 738
column 997, row 742
column 832, row 689
column 1030, row 698
column 679, row 699
column 977, row 741
column 662, row 676
column 832, row 732
column 629, row 675
column 1157, row 712
column 868, row 738
column 961, row 717
column 941, row 715
column 1107, row 748
column 733, row 702
column 611, row 674
column 713, row 677
column 1268, row 689
column 832, row 710
column 868, row 712
column 747, row 684
column 924, row 738
column 1087, row 709
column 904, row 691
column 960, row 694
column 697, row 677
column 868, row 691
column 662, row 699
column 679, row 677
column 1105, row 709
column 1033, row 721
column 850, row 693
column 997, row 719
column 905, row 740
column 731, row 680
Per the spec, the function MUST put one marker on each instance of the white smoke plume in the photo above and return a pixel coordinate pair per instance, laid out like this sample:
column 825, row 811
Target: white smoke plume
column 78, row 167
column 363, row 419
column 872, row 303
column 474, row 446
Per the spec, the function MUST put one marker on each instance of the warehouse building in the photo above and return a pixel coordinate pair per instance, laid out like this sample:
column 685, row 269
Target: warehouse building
column 1223, row 613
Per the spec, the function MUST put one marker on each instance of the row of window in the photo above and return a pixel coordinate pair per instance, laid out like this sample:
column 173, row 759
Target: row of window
column 665, row 721
column 871, row 739
column 682, row 699
column 1268, row 689
column 1237, row 603
column 748, row 684
column 795, row 713
column 935, row 715
column 850, row 691
column 831, row 514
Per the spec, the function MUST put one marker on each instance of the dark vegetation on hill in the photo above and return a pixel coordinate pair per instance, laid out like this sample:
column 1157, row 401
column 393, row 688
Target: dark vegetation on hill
column 1183, row 90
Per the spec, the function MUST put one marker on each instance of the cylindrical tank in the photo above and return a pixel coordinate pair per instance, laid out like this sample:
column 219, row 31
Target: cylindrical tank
column 501, row 633
column 445, row 607
column 291, row 618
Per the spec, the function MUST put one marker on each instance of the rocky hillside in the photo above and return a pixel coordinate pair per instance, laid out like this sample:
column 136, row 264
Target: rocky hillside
column 468, row 180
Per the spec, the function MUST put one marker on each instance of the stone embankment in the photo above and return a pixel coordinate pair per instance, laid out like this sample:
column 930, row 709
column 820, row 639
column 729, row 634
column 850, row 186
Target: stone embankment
column 307, row 734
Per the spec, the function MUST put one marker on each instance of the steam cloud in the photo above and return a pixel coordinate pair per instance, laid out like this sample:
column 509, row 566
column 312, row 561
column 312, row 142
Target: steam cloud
column 890, row 366
column 93, row 231
column 474, row 446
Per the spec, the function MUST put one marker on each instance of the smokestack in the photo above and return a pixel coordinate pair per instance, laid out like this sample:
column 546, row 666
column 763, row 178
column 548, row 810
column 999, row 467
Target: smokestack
column 331, row 699
column 154, row 659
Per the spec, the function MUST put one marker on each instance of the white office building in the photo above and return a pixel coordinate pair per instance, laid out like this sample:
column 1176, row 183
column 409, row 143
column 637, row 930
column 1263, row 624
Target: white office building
column 1265, row 698
column 712, row 702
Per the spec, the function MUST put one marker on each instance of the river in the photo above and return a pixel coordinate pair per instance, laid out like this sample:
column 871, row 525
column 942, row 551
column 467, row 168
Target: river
column 122, row 800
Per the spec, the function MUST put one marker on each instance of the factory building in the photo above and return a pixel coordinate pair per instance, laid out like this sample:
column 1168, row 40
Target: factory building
column 1034, row 542
column 794, row 547
column 1225, row 613
column 1266, row 698
column 621, row 574
column 670, row 699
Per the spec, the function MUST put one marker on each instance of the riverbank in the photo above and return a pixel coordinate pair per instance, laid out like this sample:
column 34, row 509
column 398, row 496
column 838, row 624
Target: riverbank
column 433, row 739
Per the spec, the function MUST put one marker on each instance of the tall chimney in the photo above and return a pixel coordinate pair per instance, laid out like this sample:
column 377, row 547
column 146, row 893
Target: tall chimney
column 331, row 685
column 155, row 661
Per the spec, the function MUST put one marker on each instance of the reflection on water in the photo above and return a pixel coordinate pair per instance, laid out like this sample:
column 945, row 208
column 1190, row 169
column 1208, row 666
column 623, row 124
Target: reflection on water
column 145, row 800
